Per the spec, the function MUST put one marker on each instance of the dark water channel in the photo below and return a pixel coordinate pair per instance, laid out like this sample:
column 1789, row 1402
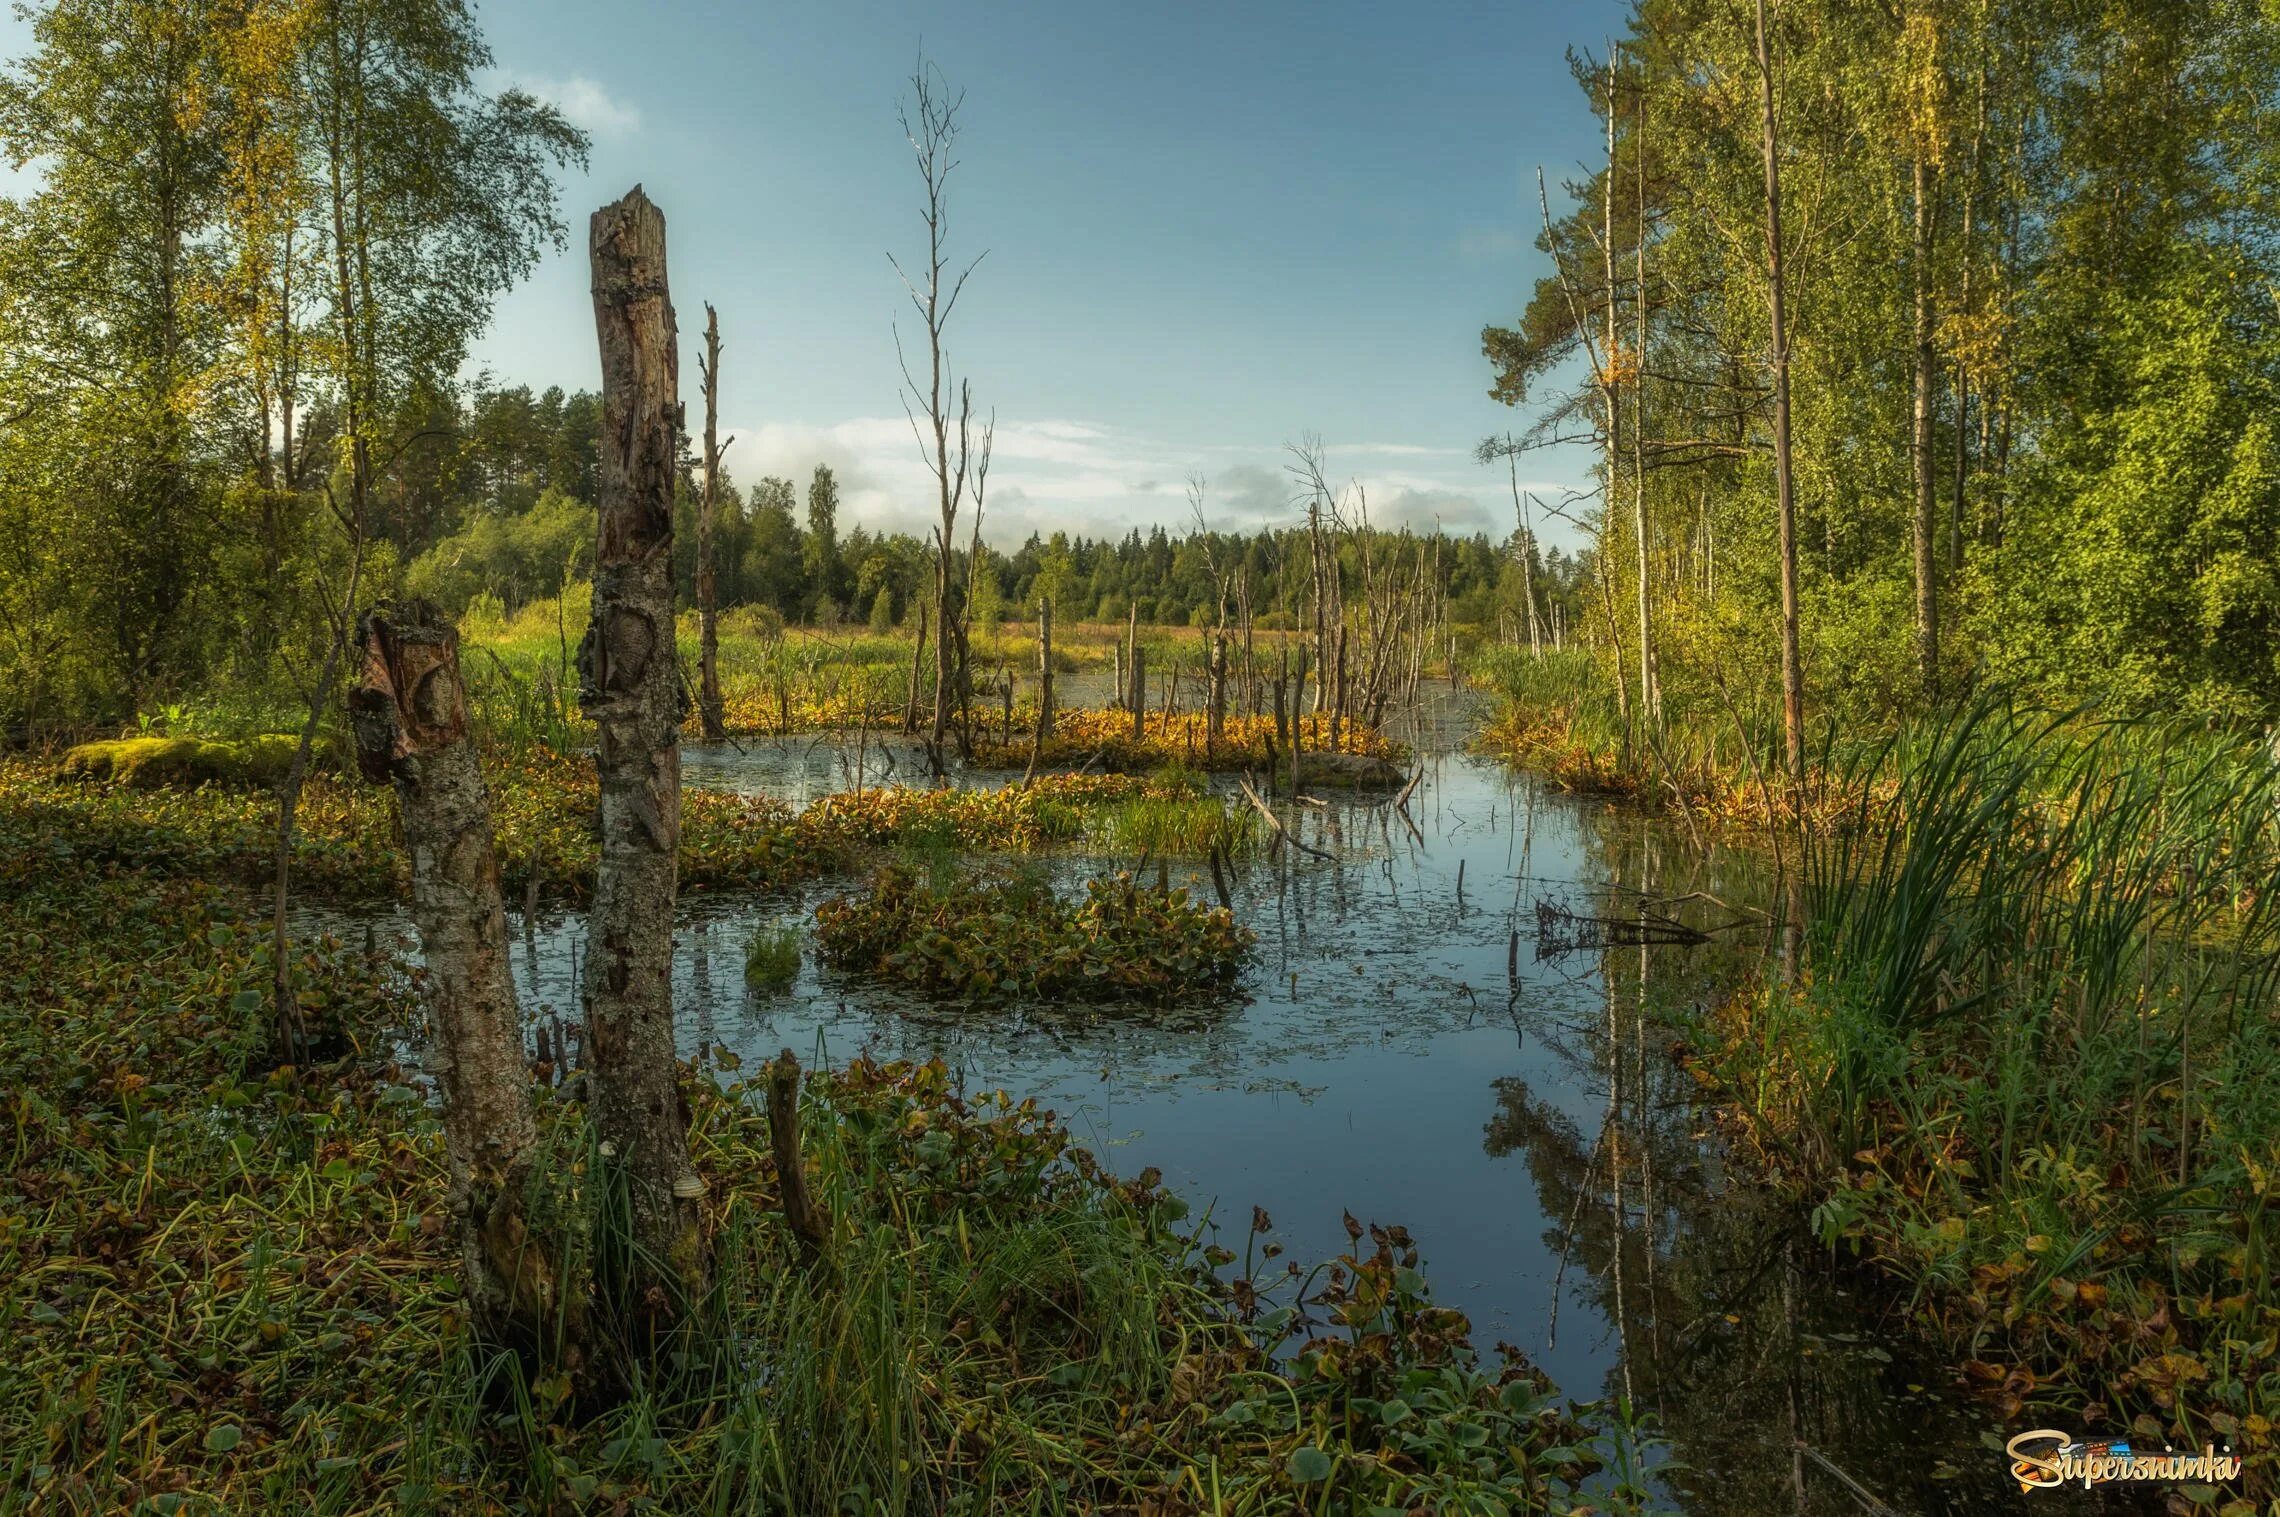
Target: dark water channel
column 1521, row 1113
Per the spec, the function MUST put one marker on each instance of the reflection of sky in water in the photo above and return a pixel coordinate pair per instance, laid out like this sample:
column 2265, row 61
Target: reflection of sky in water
column 1381, row 1041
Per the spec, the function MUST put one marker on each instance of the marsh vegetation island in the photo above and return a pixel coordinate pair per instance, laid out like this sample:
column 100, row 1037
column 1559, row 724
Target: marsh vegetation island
column 1169, row 764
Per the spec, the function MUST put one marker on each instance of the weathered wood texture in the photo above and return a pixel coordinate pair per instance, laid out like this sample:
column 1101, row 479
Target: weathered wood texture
column 710, row 715
column 409, row 713
column 1045, row 667
column 630, row 688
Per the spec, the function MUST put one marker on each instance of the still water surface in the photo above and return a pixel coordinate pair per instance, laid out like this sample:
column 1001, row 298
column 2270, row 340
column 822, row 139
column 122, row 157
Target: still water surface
column 1408, row 1051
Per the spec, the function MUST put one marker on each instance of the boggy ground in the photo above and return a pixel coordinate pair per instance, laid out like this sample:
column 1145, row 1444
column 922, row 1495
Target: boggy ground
column 231, row 1284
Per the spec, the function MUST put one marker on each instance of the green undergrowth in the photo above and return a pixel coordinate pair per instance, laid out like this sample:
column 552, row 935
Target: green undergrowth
column 227, row 1287
column 976, row 938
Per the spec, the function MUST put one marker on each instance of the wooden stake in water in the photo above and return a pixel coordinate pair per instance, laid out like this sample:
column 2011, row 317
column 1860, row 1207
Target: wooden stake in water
column 1139, row 692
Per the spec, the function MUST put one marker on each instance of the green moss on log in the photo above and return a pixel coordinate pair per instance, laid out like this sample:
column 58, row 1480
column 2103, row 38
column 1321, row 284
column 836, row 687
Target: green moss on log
column 150, row 763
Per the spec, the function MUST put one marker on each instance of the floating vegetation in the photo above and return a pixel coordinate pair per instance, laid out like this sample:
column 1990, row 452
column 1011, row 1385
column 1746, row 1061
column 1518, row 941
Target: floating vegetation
column 543, row 807
column 1015, row 939
column 772, row 956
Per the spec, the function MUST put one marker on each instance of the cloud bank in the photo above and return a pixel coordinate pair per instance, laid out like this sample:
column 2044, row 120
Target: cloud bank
column 1087, row 479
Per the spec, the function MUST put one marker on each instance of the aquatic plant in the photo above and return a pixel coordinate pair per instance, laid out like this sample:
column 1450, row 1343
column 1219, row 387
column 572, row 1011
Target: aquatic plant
column 975, row 939
column 772, row 956
column 1104, row 736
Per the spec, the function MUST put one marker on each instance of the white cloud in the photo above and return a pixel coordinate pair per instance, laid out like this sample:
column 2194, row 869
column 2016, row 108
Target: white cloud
column 586, row 103
column 1058, row 474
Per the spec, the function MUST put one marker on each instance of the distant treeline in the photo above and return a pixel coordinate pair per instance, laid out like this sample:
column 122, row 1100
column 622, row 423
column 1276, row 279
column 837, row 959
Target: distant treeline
column 500, row 504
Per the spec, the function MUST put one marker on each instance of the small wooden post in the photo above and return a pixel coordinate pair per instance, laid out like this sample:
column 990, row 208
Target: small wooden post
column 1139, row 692
column 800, row 1210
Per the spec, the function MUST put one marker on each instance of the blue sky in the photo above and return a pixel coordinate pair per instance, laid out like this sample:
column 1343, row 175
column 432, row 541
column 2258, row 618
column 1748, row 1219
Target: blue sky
column 1210, row 230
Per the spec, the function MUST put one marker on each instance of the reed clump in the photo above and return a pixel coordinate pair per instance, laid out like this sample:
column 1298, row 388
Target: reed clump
column 2029, row 1061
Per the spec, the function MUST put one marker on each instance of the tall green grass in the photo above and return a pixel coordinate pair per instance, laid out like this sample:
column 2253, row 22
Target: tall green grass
column 2030, row 1052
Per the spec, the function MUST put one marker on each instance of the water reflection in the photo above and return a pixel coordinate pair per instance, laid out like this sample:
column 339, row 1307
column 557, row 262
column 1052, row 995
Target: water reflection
column 1406, row 1052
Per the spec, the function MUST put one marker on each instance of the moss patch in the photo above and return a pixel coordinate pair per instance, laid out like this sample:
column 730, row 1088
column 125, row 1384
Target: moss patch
column 151, row 763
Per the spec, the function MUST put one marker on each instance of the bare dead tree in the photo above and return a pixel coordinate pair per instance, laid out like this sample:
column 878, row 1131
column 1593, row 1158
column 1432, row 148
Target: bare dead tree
column 929, row 120
column 708, row 508
column 630, row 688
column 980, row 475
column 1507, row 448
column 1650, row 683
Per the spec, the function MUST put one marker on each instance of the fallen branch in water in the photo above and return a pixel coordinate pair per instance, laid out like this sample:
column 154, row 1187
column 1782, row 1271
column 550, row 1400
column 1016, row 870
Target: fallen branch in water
column 1276, row 823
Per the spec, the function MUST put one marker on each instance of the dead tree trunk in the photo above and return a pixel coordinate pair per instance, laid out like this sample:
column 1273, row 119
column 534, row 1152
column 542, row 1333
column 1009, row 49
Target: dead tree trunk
column 1044, row 668
column 1139, row 691
column 1215, row 717
column 917, row 664
column 410, row 718
column 1650, row 687
column 708, row 514
column 630, row 688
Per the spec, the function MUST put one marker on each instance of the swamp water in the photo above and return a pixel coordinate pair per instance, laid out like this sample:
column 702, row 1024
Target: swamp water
column 1394, row 1057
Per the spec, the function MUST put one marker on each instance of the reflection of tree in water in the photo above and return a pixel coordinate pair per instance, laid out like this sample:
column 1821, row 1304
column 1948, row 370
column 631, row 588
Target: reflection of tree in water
column 1770, row 1371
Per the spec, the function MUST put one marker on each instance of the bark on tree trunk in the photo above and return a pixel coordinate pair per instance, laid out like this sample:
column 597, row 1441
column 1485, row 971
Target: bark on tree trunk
column 1924, row 524
column 708, row 514
column 1784, row 485
column 410, row 718
column 630, row 688
column 1650, row 684
column 1215, row 719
